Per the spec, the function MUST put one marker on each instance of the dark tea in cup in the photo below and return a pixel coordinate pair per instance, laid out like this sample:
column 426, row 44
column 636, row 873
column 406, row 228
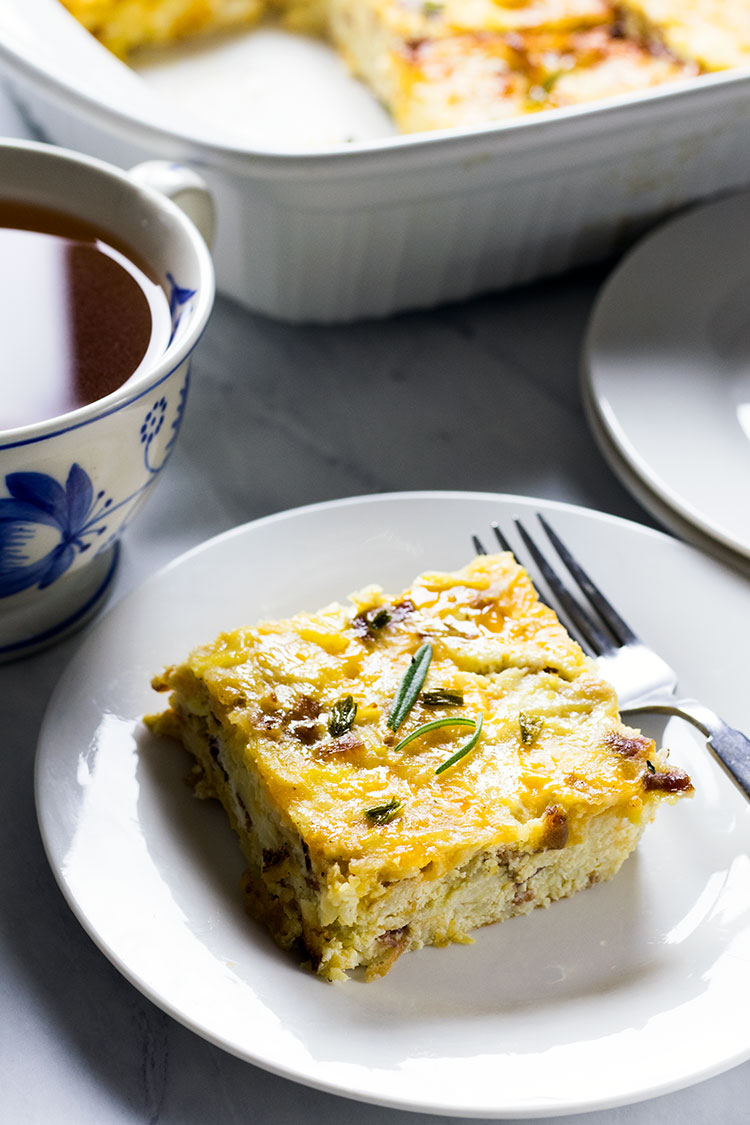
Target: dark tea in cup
column 80, row 314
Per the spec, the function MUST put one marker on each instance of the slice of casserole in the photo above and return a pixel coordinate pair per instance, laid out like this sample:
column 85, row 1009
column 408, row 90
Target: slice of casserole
column 466, row 80
column 402, row 770
column 464, row 62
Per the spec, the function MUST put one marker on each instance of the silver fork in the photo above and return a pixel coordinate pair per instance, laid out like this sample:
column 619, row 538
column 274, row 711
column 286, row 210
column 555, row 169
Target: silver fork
column 642, row 679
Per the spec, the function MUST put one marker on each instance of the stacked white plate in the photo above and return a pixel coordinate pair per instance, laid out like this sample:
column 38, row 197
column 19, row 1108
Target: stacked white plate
column 666, row 376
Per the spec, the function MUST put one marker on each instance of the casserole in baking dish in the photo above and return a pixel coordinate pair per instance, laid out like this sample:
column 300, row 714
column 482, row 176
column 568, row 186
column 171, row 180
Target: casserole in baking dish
column 442, row 63
column 359, row 222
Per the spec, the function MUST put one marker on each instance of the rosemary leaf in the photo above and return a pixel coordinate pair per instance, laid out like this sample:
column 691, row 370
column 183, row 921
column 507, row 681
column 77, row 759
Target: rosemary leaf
column 463, row 750
column 341, row 718
column 378, row 620
column 550, row 79
column 410, row 685
column 381, row 814
column 448, row 721
column 442, row 697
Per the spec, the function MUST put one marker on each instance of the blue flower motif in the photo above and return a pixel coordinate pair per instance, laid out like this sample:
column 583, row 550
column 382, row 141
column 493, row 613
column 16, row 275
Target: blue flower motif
column 42, row 526
column 179, row 295
column 153, row 421
column 156, row 458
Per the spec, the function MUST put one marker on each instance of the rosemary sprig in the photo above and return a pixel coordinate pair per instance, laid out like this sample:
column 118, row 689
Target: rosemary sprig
column 341, row 718
column 447, row 721
column 442, row 697
column 463, row 750
column 381, row 814
column 410, row 685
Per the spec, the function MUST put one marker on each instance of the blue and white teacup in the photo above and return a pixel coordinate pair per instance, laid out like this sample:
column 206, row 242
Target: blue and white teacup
column 70, row 485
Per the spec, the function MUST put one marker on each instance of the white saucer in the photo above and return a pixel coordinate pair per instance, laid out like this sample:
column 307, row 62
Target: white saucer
column 668, row 517
column 630, row 989
column 666, row 368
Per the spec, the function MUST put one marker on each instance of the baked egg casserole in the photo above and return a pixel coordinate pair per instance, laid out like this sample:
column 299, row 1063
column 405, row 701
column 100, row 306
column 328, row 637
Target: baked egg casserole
column 402, row 770
column 444, row 63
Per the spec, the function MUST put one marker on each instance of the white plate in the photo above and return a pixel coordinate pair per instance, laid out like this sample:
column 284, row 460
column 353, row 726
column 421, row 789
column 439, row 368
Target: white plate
column 667, row 367
column 601, row 1000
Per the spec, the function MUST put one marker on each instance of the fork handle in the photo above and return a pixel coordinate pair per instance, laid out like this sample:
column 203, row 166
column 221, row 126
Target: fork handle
column 730, row 746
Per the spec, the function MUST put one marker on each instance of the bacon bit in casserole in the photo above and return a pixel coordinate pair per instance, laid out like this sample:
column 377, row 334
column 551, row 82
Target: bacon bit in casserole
column 673, row 780
column 394, row 942
column 413, row 47
column 522, row 894
column 305, row 708
column 273, row 857
column 368, row 623
column 299, row 719
column 341, row 745
column 261, row 720
column 629, row 746
column 306, row 733
column 401, row 610
column 393, row 938
column 555, row 833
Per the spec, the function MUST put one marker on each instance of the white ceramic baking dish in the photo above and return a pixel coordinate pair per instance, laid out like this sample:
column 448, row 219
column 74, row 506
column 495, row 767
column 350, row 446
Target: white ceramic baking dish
column 383, row 223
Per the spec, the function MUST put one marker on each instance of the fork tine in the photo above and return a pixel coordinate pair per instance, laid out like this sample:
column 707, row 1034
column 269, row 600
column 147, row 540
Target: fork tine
column 621, row 631
column 502, row 541
column 504, row 544
column 596, row 639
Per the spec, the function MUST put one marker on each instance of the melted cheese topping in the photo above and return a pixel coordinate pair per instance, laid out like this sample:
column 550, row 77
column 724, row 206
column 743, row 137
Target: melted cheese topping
column 124, row 25
column 444, row 63
column 456, row 81
column 714, row 33
column 551, row 749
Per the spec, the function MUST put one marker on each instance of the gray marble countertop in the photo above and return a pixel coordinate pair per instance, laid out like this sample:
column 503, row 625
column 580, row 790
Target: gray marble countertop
column 481, row 396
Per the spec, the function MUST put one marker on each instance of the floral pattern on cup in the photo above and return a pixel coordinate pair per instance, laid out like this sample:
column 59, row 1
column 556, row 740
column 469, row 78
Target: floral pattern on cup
column 45, row 524
column 179, row 296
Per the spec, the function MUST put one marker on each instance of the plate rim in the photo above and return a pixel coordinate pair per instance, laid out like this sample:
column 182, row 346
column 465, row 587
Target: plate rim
column 673, row 521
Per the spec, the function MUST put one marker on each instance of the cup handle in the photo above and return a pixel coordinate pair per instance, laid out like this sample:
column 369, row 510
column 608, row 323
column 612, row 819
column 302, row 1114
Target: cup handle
column 184, row 187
